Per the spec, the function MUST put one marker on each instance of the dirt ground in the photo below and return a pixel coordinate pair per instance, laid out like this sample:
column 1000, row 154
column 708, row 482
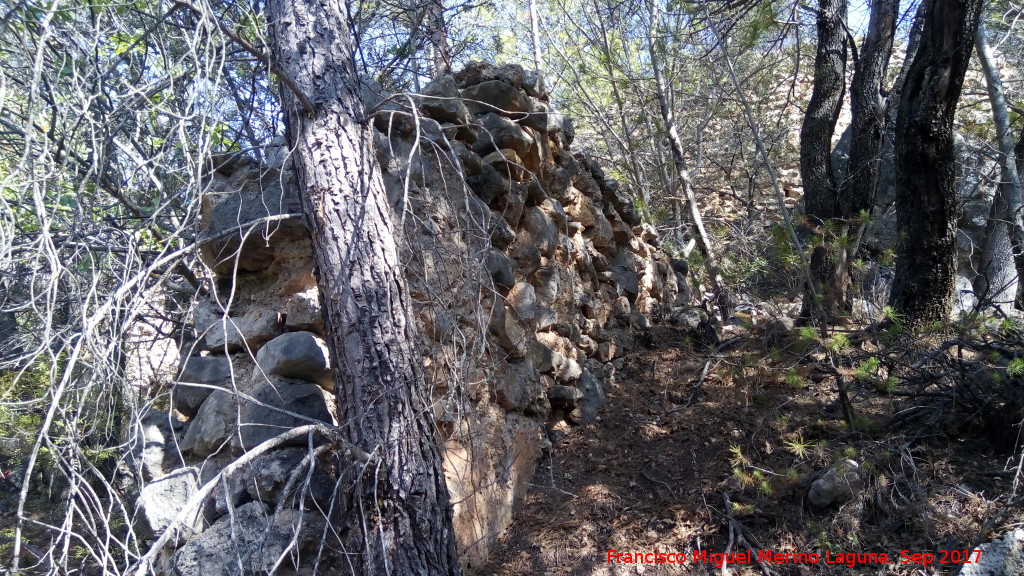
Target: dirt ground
column 677, row 463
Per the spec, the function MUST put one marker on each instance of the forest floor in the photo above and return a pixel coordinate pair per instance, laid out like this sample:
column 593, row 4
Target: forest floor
column 677, row 463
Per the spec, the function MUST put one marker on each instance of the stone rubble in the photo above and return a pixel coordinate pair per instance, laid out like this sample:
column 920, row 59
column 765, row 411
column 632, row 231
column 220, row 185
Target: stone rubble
column 529, row 273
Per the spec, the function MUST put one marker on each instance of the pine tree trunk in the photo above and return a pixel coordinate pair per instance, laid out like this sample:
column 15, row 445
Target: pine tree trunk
column 396, row 514
column 926, row 163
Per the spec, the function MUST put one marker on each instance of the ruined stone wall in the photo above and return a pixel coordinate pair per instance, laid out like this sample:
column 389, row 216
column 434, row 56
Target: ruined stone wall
column 530, row 275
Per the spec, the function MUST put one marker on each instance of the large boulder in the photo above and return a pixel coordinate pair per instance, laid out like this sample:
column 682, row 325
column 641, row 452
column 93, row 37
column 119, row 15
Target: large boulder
column 277, row 407
column 161, row 500
column 213, row 425
column 249, row 542
column 496, row 96
column 500, row 132
column 207, row 371
column 153, row 451
column 270, row 474
column 297, row 355
column 1000, row 557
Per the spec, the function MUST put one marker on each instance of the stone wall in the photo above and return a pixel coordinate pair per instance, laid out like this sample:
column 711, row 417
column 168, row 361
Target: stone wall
column 530, row 272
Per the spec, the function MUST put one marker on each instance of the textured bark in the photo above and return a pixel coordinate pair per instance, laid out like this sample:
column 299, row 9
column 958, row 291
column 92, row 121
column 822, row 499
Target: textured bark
column 1004, row 236
column 396, row 514
column 868, row 109
column 820, row 194
column 925, row 162
column 437, row 34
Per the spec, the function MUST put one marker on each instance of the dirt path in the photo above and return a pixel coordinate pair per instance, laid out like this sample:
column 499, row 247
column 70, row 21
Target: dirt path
column 654, row 471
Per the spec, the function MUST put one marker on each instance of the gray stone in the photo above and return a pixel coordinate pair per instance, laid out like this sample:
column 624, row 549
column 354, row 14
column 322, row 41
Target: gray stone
column 553, row 208
column 546, row 318
column 512, row 203
column 153, row 451
column 234, row 202
column 264, row 418
column 507, row 163
column 523, row 300
column 500, row 267
column 238, row 333
column 543, row 358
column 835, row 487
column 534, row 84
column 446, row 104
column 527, row 257
column 211, row 371
column 250, row 542
column 564, row 397
column 495, row 96
column 488, row 184
column 567, row 370
column 1000, row 557
column 592, row 396
column 538, row 230
column 512, row 389
column 511, row 334
column 502, row 234
column 546, row 281
column 297, row 355
column 213, row 425
column 270, row 473
column 499, row 132
column 161, row 500
column 537, row 117
column 303, row 312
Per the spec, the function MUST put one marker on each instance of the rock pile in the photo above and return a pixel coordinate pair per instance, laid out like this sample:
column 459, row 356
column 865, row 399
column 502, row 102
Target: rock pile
column 530, row 272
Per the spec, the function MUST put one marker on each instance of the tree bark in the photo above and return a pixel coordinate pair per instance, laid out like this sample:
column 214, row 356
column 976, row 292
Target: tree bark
column 1004, row 235
column 868, row 110
column 820, row 193
column 926, row 163
column 396, row 514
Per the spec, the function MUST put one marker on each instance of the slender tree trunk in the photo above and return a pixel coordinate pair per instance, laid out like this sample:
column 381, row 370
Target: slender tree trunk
column 868, row 99
column 926, row 162
column 396, row 514
column 820, row 193
column 703, row 239
column 1004, row 238
column 538, row 62
column 437, row 35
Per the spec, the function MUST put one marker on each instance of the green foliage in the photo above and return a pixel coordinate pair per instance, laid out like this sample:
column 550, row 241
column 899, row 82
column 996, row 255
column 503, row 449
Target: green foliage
column 837, row 343
column 1015, row 369
column 867, row 371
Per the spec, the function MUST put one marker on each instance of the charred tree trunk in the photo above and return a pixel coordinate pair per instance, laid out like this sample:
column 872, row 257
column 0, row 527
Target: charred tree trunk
column 868, row 99
column 925, row 162
column 821, row 194
column 396, row 514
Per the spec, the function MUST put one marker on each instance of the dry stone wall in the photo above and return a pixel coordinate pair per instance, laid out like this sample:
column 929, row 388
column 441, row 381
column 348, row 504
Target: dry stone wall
column 530, row 275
